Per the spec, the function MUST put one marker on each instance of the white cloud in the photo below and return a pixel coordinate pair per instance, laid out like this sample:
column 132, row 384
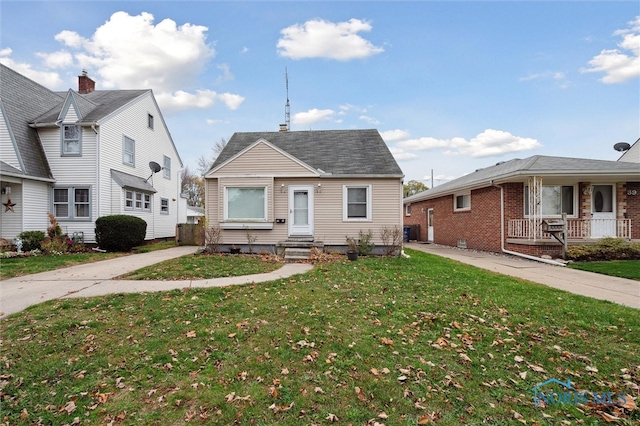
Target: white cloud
column 394, row 135
column 59, row 59
column 558, row 77
column 488, row 143
column 369, row 120
column 322, row 39
column 165, row 57
column 620, row 65
column 400, row 154
column 226, row 73
column 46, row 78
column 312, row 116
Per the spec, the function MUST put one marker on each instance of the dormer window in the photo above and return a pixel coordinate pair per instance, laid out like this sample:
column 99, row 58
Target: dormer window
column 71, row 144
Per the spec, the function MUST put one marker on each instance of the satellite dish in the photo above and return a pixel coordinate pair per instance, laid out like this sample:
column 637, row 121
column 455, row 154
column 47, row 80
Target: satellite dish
column 621, row 146
column 155, row 167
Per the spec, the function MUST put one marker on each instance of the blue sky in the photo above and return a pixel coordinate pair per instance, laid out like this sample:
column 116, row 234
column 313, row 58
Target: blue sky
column 452, row 85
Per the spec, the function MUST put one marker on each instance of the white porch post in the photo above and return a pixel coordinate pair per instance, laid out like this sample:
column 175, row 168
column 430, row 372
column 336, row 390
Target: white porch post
column 535, row 206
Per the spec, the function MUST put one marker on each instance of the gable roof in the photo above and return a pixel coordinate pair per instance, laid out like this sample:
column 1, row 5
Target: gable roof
column 632, row 155
column 332, row 152
column 21, row 99
column 92, row 106
column 538, row 165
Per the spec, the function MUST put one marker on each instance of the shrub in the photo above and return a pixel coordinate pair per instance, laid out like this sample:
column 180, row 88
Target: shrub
column 363, row 244
column 31, row 240
column 605, row 249
column 391, row 240
column 55, row 246
column 120, row 232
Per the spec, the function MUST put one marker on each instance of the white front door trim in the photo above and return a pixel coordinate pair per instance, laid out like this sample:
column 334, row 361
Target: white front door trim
column 301, row 210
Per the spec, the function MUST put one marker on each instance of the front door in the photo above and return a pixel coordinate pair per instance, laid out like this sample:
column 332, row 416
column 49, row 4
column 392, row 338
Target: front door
column 430, row 225
column 300, row 210
column 603, row 215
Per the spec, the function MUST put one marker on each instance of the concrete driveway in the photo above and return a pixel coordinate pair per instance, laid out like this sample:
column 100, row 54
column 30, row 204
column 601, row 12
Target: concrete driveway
column 618, row 290
column 96, row 279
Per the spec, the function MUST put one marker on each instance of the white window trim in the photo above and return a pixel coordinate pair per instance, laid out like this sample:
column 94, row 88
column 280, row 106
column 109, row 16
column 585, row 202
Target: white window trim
column 124, row 151
column 64, row 153
column 71, row 203
column 576, row 198
column 161, row 211
column 166, row 171
column 246, row 223
column 407, row 210
column 133, row 199
column 345, row 210
column 455, row 203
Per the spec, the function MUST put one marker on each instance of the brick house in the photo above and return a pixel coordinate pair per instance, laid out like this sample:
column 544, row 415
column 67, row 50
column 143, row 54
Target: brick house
column 501, row 208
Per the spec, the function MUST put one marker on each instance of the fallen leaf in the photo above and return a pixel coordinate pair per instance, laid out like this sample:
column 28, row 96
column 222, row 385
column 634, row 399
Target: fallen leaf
column 359, row 394
column 383, row 415
column 518, row 358
column 386, row 341
column 318, row 389
column 523, row 375
column 332, row 418
column 465, row 358
column 374, row 371
column 24, row 414
column 608, row 417
column 592, row 369
column 191, row 333
column 69, row 407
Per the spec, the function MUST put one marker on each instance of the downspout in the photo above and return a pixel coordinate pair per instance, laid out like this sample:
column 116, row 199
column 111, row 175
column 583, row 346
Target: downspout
column 98, row 170
column 515, row 253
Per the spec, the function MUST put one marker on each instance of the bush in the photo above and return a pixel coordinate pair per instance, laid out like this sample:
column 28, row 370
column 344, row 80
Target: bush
column 363, row 244
column 31, row 240
column 605, row 249
column 120, row 232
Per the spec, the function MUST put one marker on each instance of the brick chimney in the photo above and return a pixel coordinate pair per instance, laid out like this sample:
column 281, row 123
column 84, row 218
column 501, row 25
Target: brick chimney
column 85, row 84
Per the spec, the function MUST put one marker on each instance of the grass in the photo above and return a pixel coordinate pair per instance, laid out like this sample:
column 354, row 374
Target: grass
column 618, row 268
column 19, row 266
column 202, row 266
column 393, row 341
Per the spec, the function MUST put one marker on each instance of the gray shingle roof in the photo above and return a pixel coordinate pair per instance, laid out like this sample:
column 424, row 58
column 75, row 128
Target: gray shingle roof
column 22, row 99
column 339, row 152
column 538, row 165
column 130, row 181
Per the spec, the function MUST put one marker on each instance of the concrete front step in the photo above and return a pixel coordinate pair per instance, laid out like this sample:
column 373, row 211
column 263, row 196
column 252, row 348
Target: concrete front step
column 297, row 253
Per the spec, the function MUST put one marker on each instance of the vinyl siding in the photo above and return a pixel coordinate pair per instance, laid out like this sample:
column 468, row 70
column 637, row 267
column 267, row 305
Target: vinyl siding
column 7, row 148
column 36, row 195
column 329, row 226
column 11, row 221
column 71, row 116
column 263, row 159
column 150, row 145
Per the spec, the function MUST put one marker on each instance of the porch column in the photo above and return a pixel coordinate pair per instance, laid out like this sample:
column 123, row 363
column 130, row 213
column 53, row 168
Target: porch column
column 535, row 206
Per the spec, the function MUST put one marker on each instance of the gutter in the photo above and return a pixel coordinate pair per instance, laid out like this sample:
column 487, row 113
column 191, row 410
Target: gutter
column 515, row 253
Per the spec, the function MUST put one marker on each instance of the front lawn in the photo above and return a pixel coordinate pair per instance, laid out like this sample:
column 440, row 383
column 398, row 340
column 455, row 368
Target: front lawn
column 617, row 268
column 203, row 266
column 18, row 266
column 389, row 340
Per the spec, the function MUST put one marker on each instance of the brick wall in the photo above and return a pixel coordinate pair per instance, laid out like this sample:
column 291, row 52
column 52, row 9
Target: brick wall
column 479, row 227
column 633, row 209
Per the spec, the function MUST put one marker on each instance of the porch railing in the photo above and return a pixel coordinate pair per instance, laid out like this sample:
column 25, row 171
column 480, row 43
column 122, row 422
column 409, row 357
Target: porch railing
column 577, row 229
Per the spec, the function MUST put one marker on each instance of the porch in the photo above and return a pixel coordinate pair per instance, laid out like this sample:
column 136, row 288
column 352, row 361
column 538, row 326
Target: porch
column 577, row 229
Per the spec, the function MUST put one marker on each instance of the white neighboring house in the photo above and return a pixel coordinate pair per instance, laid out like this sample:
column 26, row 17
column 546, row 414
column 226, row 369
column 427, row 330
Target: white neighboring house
column 632, row 155
column 81, row 155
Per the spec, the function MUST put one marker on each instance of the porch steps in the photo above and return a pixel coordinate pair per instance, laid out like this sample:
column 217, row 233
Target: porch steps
column 293, row 254
column 298, row 249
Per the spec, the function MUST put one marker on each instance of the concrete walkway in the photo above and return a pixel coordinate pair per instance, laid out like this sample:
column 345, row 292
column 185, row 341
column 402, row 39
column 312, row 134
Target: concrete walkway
column 96, row 279
column 618, row 290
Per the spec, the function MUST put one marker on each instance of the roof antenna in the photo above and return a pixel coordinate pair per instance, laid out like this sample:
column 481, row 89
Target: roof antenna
column 287, row 107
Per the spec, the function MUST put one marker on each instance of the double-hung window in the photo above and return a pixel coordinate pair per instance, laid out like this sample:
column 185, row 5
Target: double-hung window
column 245, row 204
column 71, row 143
column 164, row 206
column 166, row 170
column 555, row 200
column 129, row 151
column 356, row 203
column 462, row 202
column 72, row 203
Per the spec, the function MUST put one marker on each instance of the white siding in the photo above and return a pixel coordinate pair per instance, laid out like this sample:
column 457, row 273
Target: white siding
column 71, row 116
column 150, row 145
column 36, row 196
column 74, row 171
column 7, row 149
column 11, row 221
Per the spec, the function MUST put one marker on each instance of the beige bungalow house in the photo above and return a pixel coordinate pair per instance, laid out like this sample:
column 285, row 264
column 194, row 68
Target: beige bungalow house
column 271, row 190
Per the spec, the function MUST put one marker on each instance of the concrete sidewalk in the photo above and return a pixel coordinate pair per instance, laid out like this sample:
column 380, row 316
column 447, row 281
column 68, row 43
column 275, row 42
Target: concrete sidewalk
column 618, row 290
column 96, row 279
